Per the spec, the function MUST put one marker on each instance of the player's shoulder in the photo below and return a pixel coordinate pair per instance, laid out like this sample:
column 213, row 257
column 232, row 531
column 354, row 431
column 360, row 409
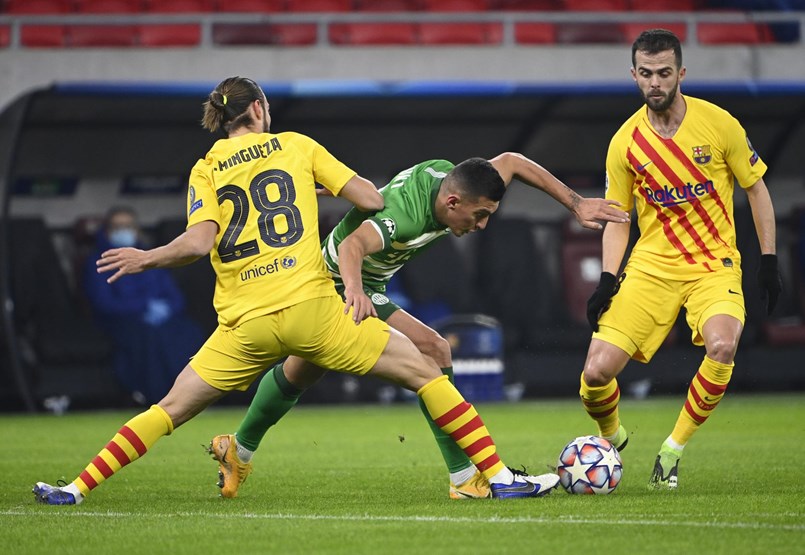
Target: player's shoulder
column 436, row 169
column 706, row 115
column 704, row 107
column 293, row 137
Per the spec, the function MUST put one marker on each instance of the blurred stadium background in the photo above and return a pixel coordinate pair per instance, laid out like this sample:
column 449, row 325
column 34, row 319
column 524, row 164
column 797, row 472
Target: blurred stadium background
column 100, row 105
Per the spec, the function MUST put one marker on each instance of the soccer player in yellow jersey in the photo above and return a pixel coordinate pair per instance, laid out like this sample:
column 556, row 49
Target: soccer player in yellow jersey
column 252, row 207
column 675, row 162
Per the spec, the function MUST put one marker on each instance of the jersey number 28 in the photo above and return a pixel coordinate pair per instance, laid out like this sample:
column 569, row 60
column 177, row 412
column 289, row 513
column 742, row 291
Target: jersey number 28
column 229, row 249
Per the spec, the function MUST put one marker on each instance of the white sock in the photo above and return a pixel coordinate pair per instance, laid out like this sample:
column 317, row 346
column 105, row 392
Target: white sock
column 505, row 476
column 463, row 475
column 243, row 454
column 674, row 445
column 72, row 488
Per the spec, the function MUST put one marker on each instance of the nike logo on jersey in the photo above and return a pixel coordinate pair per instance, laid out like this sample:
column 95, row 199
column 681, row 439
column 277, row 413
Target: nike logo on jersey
column 730, row 291
column 641, row 167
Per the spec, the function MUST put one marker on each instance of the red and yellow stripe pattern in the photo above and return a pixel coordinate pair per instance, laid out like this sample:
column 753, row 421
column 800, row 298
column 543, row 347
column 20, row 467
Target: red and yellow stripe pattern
column 601, row 403
column 459, row 419
column 130, row 443
column 705, row 392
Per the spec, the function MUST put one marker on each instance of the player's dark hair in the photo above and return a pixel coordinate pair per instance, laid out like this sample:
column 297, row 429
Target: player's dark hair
column 475, row 178
column 654, row 41
column 228, row 104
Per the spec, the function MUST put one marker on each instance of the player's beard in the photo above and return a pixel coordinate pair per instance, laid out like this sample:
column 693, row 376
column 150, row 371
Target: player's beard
column 662, row 104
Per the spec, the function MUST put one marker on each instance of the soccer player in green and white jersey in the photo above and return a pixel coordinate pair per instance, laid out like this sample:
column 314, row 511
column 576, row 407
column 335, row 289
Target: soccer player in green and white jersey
column 423, row 204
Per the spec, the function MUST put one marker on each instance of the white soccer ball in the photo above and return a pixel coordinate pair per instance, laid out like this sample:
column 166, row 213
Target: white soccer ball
column 590, row 464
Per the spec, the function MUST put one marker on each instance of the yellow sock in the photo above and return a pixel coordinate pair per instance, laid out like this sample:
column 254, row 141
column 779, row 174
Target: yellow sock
column 706, row 390
column 129, row 444
column 459, row 419
column 601, row 403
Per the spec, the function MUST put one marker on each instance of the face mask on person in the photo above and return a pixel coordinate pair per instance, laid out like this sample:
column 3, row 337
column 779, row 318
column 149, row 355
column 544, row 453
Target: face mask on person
column 123, row 237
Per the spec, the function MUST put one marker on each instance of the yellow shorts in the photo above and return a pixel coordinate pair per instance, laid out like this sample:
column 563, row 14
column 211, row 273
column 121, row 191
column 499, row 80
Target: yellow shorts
column 645, row 308
column 316, row 330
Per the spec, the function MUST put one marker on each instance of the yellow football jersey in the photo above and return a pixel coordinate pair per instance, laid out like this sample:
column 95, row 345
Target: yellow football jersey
column 682, row 188
column 260, row 190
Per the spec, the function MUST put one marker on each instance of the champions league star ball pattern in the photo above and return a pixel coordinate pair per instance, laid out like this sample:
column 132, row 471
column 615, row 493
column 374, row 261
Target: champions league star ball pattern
column 589, row 464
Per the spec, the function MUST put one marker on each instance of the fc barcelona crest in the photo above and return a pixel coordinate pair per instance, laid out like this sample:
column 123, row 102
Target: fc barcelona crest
column 701, row 154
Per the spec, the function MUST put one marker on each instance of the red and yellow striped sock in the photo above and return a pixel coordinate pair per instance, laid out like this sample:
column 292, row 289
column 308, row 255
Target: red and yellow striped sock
column 601, row 403
column 459, row 419
column 130, row 443
column 706, row 390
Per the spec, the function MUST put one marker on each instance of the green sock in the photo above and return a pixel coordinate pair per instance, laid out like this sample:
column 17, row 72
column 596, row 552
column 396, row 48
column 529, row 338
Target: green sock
column 453, row 455
column 275, row 396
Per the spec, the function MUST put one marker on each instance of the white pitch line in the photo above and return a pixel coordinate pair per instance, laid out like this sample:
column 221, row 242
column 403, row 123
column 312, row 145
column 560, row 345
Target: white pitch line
column 563, row 519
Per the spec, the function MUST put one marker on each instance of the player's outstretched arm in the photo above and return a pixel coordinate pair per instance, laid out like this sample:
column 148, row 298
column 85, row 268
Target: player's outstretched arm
column 590, row 213
column 188, row 247
column 363, row 194
column 363, row 241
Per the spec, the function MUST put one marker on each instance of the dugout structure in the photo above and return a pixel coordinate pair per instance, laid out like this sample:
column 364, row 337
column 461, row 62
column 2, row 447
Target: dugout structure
column 70, row 150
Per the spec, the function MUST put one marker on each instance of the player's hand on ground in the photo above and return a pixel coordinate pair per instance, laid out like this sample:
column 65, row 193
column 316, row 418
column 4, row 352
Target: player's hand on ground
column 601, row 299
column 122, row 261
column 771, row 284
column 591, row 212
column 361, row 305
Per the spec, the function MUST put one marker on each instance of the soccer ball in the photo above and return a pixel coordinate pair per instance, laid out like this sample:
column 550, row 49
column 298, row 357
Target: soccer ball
column 589, row 464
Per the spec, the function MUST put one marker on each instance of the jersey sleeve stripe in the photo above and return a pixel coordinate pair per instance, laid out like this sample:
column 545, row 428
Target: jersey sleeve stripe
column 386, row 241
column 675, row 180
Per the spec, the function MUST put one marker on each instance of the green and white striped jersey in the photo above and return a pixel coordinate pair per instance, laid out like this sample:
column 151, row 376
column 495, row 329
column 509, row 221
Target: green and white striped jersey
column 407, row 223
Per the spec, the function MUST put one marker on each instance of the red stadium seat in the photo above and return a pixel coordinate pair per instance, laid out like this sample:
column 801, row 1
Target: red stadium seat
column 109, row 6
column 535, row 33
column 102, row 35
column 255, row 6
column 5, row 36
column 318, row 5
column 294, row 34
column 456, row 5
column 43, row 36
column 170, row 35
column 664, row 5
column 460, row 33
column 733, row 33
column 373, row 33
column 180, row 6
column 263, row 34
column 632, row 30
column 39, row 6
column 589, row 33
column 388, row 5
column 596, row 5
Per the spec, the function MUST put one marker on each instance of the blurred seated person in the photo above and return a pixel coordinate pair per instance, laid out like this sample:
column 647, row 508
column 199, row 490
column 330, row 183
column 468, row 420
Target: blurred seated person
column 143, row 314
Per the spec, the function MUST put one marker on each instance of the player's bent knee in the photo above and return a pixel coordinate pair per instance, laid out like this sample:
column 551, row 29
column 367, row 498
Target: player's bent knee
column 596, row 377
column 402, row 363
column 723, row 349
column 437, row 348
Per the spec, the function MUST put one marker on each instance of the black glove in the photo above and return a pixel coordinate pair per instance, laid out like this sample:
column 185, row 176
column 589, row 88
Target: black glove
column 600, row 300
column 771, row 284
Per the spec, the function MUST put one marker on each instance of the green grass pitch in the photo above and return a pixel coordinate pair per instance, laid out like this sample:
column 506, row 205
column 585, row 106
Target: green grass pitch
column 368, row 479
